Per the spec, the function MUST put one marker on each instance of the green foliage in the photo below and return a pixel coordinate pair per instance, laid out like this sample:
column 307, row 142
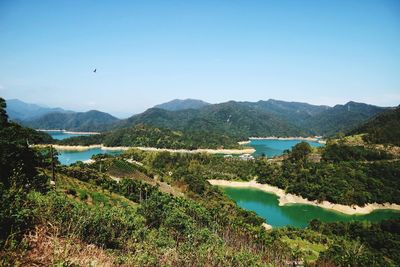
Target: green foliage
column 142, row 135
column 300, row 151
column 361, row 243
column 339, row 178
column 383, row 129
column 109, row 227
column 340, row 152
column 92, row 120
column 18, row 175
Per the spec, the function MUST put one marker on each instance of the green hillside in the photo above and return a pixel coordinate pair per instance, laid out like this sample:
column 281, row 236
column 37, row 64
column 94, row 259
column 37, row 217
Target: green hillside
column 77, row 121
column 382, row 129
column 231, row 118
column 143, row 135
column 341, row 118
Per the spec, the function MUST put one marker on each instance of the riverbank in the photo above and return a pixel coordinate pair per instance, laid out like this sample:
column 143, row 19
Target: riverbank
column 200, row 150
column 67, row 132
column 285, row 198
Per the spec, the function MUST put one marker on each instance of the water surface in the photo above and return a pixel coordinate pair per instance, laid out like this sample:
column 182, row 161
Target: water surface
column 63, row 135
column 297, row 215
column 275, row 147
column 69, row 157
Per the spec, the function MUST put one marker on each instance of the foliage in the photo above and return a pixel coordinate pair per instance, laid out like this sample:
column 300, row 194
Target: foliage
column 382, row 129
column 146, row 136
column 346, row 175
column 92, row 120
column 341, row 152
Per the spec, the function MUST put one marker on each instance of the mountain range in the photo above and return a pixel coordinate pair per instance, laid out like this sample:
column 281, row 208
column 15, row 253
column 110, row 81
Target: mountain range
column 18, row 110
column 235, row 119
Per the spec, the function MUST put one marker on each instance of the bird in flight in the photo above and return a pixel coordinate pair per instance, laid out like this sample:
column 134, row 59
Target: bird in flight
column 95, row 70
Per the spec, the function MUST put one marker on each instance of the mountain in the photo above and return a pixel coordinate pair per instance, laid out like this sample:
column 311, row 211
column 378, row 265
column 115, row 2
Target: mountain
column 178, row 104
column 231, row 118
column 234, row 119
column 294, row 112
column 78, row 121
column 22, row 111
column 341, row 118
column 382, row 129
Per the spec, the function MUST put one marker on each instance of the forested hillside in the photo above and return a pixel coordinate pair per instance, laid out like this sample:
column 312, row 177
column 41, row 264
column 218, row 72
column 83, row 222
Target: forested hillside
column 341, row 118
column 382, row 129
column 238, row 120
column 231, row 118
column 77, row 121
column 147, row 136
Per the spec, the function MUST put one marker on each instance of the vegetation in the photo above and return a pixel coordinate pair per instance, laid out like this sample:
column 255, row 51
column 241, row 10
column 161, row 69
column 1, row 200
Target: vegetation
column 346, row 175
column 383, row 129
column 142, row 135
column 75, row 121
column 114, row 212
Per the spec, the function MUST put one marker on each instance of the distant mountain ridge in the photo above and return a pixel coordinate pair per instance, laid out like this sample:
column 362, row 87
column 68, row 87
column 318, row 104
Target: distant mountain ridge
column 235, row 119
column 21, row 111
column 92, row 120
column 178, row 104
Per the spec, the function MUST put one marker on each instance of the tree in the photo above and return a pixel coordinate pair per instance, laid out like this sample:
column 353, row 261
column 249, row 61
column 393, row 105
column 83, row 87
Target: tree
column 300, row 151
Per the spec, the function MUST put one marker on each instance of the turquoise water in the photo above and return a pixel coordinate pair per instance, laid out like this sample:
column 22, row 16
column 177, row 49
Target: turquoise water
column 297, row 215
column 69, row 157
column 273, row 148
column 63, row 135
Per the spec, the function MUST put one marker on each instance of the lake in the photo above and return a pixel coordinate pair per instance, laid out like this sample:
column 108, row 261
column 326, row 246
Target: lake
column 60, row 135
column 69, row 157
column 266, row 205
column 275, row 147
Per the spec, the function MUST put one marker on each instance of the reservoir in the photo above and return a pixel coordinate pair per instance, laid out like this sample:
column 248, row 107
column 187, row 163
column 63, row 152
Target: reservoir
column 266, row 205
column 60, row 135
column 69, row 157
column 275, row 147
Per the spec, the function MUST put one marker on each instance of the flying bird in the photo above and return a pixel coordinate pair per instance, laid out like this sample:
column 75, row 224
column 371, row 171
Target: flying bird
column 95, row 70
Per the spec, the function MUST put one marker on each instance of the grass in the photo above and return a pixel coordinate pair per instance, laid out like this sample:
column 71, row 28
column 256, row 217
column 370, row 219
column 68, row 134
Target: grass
column 90, row 193
column 309, row 250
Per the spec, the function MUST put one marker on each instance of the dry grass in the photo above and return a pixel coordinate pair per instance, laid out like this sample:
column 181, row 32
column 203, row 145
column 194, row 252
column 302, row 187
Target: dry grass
column 47, row 248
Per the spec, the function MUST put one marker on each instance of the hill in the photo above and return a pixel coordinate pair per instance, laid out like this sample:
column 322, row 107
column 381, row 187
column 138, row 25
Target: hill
column 147, row 136
column 230, row 118
column 382, row 129
column 80, row 121
column 178, row 104
column 21, row 111
column 294, row 112
column 235, row 119
column 341, row 118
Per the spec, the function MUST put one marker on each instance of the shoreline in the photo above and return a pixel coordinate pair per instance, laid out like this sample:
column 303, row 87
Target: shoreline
column 67, row 132
column 287, row 198
column 310, row 138
column 200, row 150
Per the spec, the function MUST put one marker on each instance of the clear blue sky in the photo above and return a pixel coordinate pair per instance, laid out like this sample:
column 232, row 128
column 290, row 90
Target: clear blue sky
column 147, row 52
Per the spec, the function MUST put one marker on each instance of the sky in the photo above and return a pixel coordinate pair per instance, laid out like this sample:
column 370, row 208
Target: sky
column 149, row 52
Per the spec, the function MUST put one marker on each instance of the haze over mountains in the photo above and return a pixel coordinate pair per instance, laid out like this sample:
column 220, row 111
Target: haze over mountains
column 237, row 119
column 21, row 111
